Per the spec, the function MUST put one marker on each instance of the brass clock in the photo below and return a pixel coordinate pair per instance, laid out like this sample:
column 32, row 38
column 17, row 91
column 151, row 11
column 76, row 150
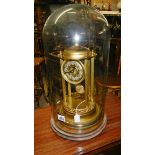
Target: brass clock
column 77, row 40
column 73, row 71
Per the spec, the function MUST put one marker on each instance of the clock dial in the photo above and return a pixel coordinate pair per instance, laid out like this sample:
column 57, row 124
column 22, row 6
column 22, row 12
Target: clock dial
column 72, row 71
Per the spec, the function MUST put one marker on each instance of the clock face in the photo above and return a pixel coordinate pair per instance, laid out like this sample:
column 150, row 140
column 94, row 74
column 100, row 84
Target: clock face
column 72, row 71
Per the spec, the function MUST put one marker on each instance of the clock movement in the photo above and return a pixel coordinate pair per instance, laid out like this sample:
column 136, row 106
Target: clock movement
column 76, row 41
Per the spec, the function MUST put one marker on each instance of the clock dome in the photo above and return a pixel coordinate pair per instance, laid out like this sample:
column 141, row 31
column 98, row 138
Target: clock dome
column 76, row 41
column 75, row 25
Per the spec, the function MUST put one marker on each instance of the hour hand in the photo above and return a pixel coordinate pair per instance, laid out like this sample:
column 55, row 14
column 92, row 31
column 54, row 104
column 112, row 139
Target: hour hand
column 71, row 70
column 67, row 72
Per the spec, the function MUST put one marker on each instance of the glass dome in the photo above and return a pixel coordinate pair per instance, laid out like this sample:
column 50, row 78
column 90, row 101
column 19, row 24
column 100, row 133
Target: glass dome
column 74, row 25
column 76, row 41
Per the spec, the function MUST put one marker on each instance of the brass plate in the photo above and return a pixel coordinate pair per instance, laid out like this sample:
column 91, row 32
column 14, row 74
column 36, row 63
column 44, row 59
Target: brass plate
column 73, row 54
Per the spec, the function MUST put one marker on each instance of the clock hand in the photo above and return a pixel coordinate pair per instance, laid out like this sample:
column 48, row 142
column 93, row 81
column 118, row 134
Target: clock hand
column 72, row 70
column 67, row 72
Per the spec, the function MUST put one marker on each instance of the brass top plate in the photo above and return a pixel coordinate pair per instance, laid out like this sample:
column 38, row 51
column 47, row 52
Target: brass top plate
column 74, row 53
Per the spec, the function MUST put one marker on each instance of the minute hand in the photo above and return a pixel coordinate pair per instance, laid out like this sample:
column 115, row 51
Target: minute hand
column 71, row 71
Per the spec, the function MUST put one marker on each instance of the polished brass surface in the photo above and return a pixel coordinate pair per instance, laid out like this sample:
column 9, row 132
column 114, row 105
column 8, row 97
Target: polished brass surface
column 86, row 120
column 78, row 105
column 77, row 54
column 77, row 70
column 92, row 79
column 69, row 96
column 63, row 85
column 80, row 102
column 86, row 79
column 72, row 54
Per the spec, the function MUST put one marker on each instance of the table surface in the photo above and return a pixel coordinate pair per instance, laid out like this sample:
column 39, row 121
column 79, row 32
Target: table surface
column 46, row 142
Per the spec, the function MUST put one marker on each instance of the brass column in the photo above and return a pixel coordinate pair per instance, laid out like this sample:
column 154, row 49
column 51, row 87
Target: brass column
column 69, row 95
column 92, row 78
column 63, row 85
column 87, row 80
